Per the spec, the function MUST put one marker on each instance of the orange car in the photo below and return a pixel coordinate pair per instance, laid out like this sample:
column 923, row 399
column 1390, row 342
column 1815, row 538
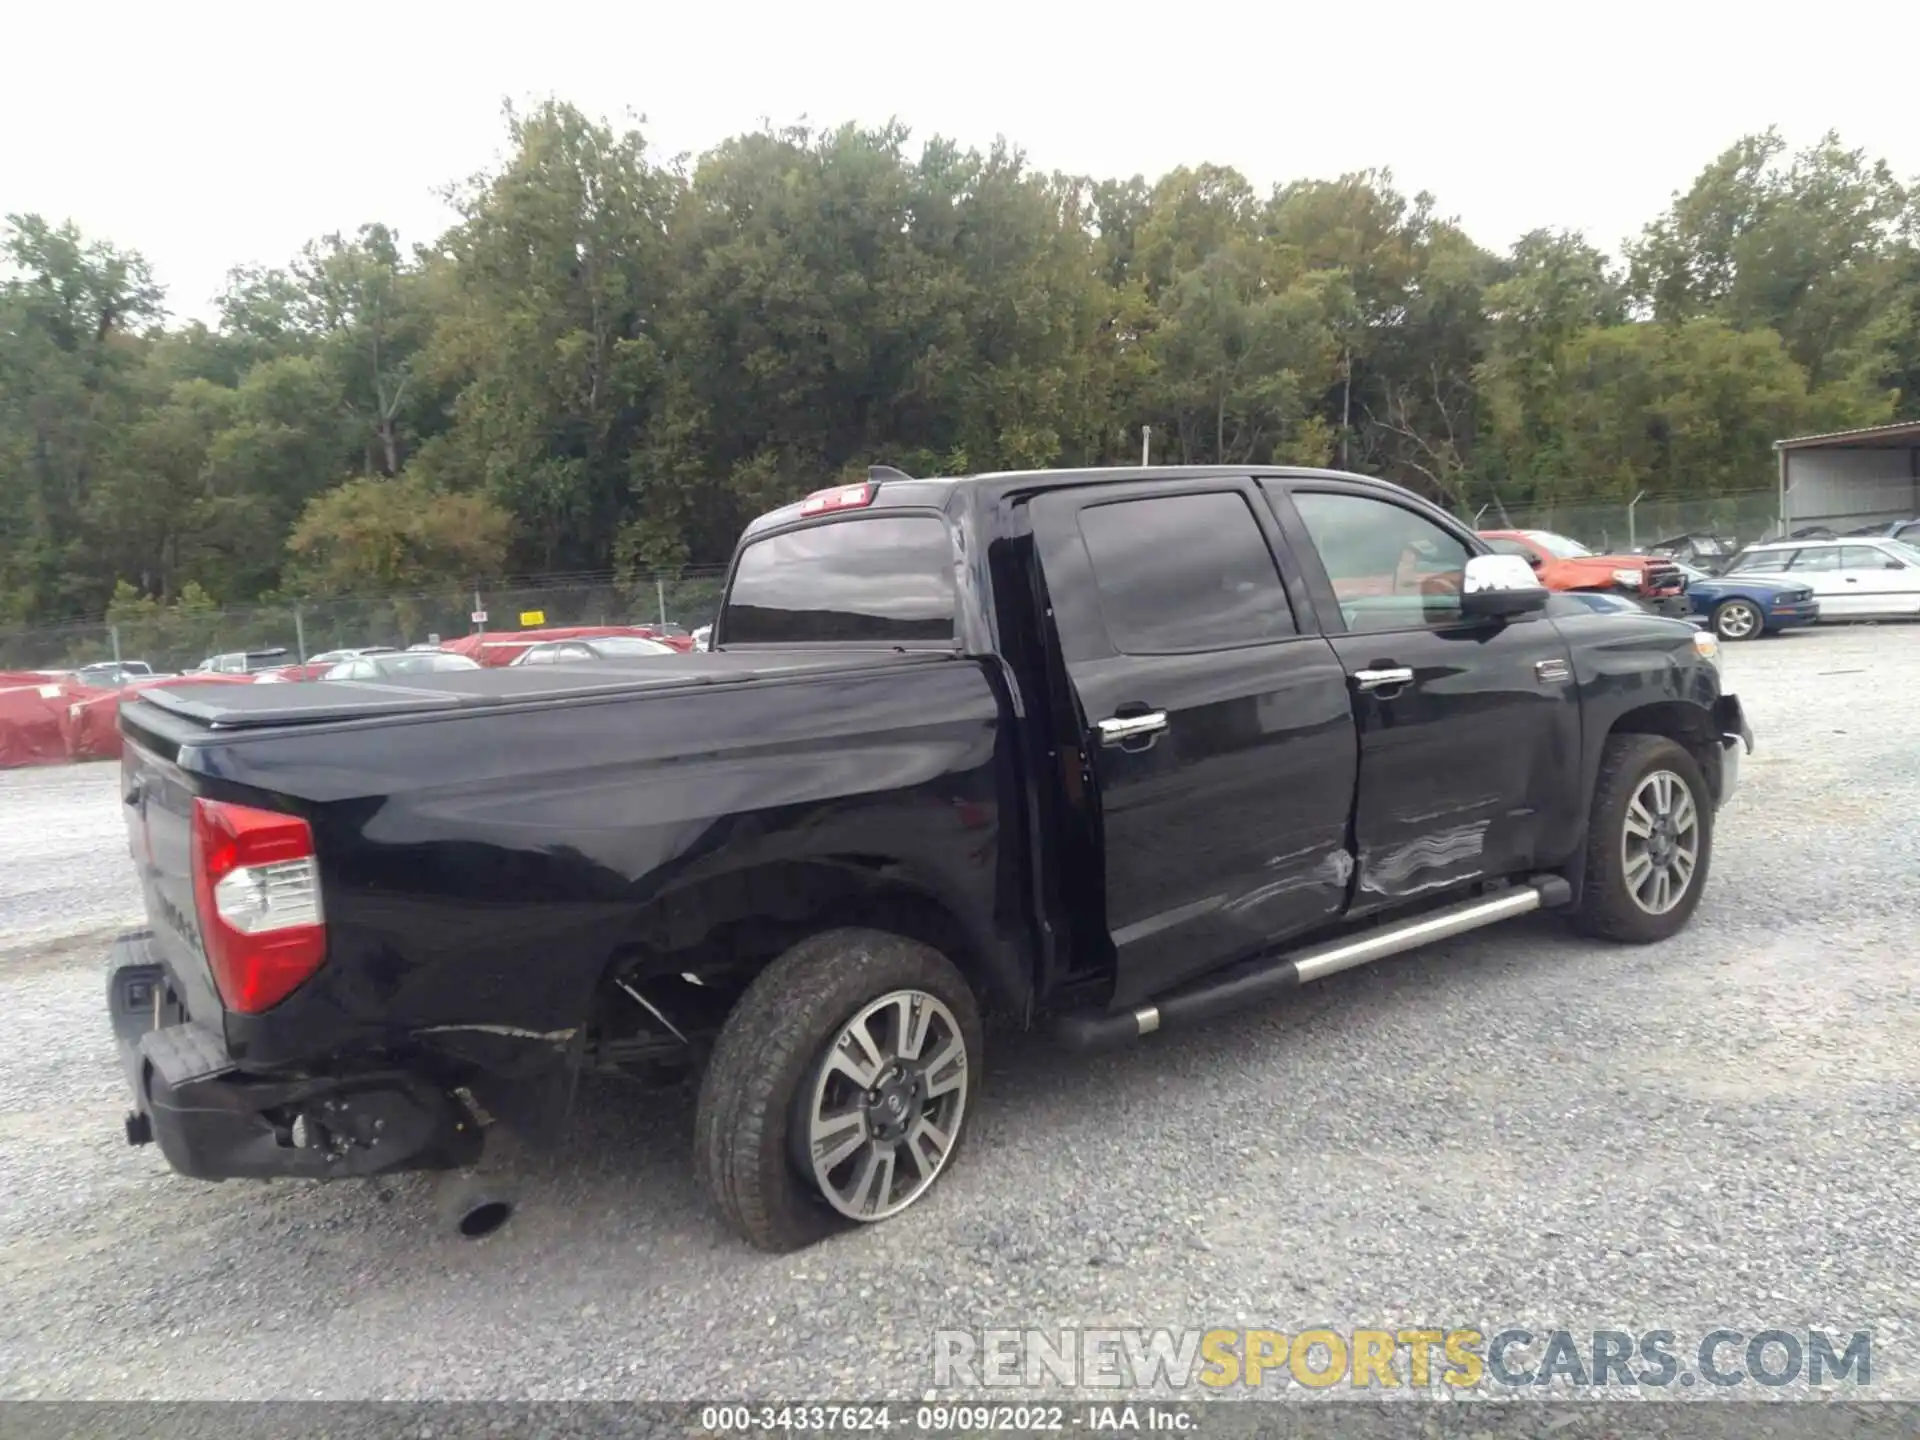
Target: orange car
column 1563, row 564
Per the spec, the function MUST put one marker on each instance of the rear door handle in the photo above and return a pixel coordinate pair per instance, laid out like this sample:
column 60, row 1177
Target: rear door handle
column 1383, row 679
column 1119, row 729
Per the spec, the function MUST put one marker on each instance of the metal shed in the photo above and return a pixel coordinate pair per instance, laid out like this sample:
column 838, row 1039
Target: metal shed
column 1850, row 477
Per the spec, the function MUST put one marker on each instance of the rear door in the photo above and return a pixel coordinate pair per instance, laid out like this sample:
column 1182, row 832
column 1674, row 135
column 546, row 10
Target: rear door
column 1875, row 582
column 1469, row 731
column 1819, row 567
column 1218, row 736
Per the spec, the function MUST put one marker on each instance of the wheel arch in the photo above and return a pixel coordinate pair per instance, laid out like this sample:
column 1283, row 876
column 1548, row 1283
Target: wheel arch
column 731, row 926
column 1687, row 723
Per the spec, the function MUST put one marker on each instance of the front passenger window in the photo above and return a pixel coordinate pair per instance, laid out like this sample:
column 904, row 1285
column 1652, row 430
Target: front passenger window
column 1391, row 569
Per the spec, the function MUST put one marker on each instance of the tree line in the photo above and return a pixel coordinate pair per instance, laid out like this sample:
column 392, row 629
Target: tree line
column 611, row 361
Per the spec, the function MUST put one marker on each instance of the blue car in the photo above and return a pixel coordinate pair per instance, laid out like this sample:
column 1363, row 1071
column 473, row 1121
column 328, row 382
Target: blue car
column 1745, row 607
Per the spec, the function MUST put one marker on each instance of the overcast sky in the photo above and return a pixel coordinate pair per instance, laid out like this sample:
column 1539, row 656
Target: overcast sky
column 210, row 134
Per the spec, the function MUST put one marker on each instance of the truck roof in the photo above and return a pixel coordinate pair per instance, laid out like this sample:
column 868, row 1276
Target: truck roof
column 897, row 490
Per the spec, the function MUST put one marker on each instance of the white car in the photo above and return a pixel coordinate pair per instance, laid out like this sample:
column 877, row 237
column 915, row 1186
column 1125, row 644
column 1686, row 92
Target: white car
column 1853, row 579
column 392, row 666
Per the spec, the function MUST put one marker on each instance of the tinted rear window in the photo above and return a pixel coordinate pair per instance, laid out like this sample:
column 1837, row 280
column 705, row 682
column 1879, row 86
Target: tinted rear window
column 1182, row 573
column 887, row 579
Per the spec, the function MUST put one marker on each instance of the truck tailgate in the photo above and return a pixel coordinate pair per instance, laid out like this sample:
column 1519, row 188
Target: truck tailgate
column 158, row 805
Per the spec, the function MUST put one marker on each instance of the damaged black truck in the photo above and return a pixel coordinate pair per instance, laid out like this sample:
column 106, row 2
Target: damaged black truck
column 1105, row 751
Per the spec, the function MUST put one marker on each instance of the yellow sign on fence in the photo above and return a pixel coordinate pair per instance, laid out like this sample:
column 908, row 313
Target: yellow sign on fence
column 533, row 617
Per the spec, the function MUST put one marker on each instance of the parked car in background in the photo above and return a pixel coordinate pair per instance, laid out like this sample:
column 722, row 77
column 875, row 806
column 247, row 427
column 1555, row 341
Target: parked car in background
column 317, row 667
column 1600, row 602
column 1564, row 564
column 1905, row 530
column 1745, row 607
column 1698, row 549
column 112, row 674
column 397, row 664
column 703, row 638
column 242, row 662
column 606, row 647
column 492, row 648
column 1864, row 579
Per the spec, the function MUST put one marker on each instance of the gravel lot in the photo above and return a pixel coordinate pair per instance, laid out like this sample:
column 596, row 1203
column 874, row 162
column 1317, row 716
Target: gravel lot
column 1515, row 1128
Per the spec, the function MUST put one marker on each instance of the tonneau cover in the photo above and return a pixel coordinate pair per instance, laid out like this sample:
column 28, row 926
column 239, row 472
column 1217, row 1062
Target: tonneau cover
column 252, row 707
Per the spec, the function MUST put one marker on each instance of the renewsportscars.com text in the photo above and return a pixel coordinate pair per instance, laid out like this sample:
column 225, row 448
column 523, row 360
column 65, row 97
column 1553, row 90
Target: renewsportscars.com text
column 1382, row 1359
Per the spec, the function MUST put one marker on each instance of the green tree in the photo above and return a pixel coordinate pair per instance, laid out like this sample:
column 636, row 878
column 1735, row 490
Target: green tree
column 376, row 536
column 546, row 332
column 74, row 323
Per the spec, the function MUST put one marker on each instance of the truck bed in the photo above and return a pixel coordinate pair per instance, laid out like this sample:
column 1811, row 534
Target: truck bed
column 257, row 707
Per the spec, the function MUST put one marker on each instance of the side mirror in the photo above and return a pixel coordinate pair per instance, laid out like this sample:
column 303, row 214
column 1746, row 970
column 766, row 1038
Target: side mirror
column 1498, row 587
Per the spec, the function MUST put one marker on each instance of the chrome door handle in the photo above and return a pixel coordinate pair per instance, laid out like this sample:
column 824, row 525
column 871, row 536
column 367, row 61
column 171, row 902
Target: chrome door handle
column 1382, row 679
column 1118, row 729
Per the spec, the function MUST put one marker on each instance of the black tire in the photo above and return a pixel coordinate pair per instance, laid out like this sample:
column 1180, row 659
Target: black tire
column 771, row 1051
column 1608, row 908
column 1737, row 619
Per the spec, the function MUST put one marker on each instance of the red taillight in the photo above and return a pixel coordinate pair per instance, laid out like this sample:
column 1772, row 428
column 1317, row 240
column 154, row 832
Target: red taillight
column 257, row 887
column 841, row 497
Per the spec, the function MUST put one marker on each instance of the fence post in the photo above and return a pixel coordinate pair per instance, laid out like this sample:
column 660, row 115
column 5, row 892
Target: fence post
column 299, row 635
column 1633, row 538
column 660, row 589
column 113, row 631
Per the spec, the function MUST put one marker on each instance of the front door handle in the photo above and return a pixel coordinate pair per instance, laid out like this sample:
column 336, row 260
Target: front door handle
column 1122, row 729
column 1383, row 679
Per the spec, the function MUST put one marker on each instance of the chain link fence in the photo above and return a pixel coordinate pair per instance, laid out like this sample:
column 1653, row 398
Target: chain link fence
column 1743, row 518
column 178, row 637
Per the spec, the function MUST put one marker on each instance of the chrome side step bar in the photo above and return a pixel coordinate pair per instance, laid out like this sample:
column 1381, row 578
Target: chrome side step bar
column 1084, row 1031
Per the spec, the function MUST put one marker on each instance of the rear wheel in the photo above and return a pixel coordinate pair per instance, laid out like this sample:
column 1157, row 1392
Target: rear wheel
column 838, row 1092
column 1737, row 620
column 1649, row 840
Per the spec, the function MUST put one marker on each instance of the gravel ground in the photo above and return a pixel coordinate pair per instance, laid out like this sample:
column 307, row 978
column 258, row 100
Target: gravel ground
column 1514, row 1128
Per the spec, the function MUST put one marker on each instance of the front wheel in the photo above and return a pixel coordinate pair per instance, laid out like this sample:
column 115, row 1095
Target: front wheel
column 1649, row 841
column 1737, row 620
column 838, row 1091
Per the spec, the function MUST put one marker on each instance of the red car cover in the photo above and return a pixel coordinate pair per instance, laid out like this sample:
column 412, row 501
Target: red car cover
column 90, row 726
column 33, row 720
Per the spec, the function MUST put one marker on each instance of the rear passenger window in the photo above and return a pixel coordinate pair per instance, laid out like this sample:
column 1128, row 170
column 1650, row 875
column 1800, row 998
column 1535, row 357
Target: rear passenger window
column 1180, row 573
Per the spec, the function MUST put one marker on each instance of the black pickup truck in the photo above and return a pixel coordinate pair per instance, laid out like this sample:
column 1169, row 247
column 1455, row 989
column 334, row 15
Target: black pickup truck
column 1107, row 750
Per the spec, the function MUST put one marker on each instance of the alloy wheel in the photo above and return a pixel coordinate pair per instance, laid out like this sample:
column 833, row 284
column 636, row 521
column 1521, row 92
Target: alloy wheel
column 1660, row 844
column 888, row 1105
column 1737, row 621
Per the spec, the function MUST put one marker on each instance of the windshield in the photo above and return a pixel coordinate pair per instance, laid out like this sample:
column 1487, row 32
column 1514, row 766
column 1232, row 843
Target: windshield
column 1901, row 549
column 1558, row 546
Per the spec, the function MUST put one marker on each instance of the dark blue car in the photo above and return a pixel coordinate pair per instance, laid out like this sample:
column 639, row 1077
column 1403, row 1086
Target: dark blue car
column 1745, row 607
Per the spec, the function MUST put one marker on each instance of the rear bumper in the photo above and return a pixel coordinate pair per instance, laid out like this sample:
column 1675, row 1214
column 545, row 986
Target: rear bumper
column 212, row 1121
